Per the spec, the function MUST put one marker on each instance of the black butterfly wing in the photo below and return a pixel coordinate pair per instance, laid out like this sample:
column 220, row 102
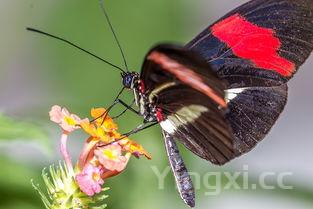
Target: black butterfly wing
column 190, row 101
column 257, row 48
column 261, row 43
column 252, row 113
column 197, row 123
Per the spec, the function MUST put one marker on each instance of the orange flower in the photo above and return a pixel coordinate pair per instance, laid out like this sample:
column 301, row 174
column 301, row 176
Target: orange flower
column 96, row 132
column 134, row 148
column 103, row 127
column 103, row 119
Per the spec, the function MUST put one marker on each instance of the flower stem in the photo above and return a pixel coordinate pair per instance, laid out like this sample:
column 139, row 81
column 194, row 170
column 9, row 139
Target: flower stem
column 88, row 146
column 64, row 151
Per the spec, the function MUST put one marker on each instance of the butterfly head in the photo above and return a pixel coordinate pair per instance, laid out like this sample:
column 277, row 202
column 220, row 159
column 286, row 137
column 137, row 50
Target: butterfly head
column 129, row 79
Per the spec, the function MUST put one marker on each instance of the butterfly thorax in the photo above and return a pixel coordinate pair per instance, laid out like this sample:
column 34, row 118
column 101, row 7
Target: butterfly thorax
column 147, row 109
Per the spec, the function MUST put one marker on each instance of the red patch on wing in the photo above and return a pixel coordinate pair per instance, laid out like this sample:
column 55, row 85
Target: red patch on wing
column 254, row 43
column 186, row 75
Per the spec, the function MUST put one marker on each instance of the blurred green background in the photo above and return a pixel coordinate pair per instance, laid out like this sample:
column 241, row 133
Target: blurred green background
column 37, row 72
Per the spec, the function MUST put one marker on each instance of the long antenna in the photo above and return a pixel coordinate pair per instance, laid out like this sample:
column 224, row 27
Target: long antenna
column 113, row 31
column 74, row 45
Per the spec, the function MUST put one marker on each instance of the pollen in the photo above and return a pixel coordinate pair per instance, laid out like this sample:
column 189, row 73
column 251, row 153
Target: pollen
column 70, row 121
column 96, row 176
column 109, row 154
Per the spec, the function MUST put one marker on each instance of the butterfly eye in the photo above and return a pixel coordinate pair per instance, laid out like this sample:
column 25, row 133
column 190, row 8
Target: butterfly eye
column 127, row 80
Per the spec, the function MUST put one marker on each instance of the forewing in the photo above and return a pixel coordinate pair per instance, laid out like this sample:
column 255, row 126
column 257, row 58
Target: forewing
column 190, row 102
column 261, row 43
column 257, row 48
column 199, row 124
column 168, row 65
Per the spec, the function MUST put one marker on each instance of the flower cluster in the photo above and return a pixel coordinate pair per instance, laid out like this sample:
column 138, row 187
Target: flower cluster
column 105, row 153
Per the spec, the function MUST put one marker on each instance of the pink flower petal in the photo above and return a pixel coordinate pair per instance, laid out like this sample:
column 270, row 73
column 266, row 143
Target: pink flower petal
column 66, row 127
column 75, row 117
column 65, row 112
column 118, row 165
column 87, row 181
column 56, row 114
column 111, row 158
column 68, row 122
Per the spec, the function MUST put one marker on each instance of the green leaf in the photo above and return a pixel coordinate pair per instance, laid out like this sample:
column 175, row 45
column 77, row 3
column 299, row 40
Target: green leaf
column 13, row 129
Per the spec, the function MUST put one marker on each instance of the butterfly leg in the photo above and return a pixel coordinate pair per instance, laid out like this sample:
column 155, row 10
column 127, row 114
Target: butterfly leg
column 182, row 178
column 139, row 128
column 126, row 108
column 118, row 101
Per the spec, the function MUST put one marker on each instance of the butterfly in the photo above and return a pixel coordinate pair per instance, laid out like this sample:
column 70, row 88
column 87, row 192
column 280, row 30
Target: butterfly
column 221, row 93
